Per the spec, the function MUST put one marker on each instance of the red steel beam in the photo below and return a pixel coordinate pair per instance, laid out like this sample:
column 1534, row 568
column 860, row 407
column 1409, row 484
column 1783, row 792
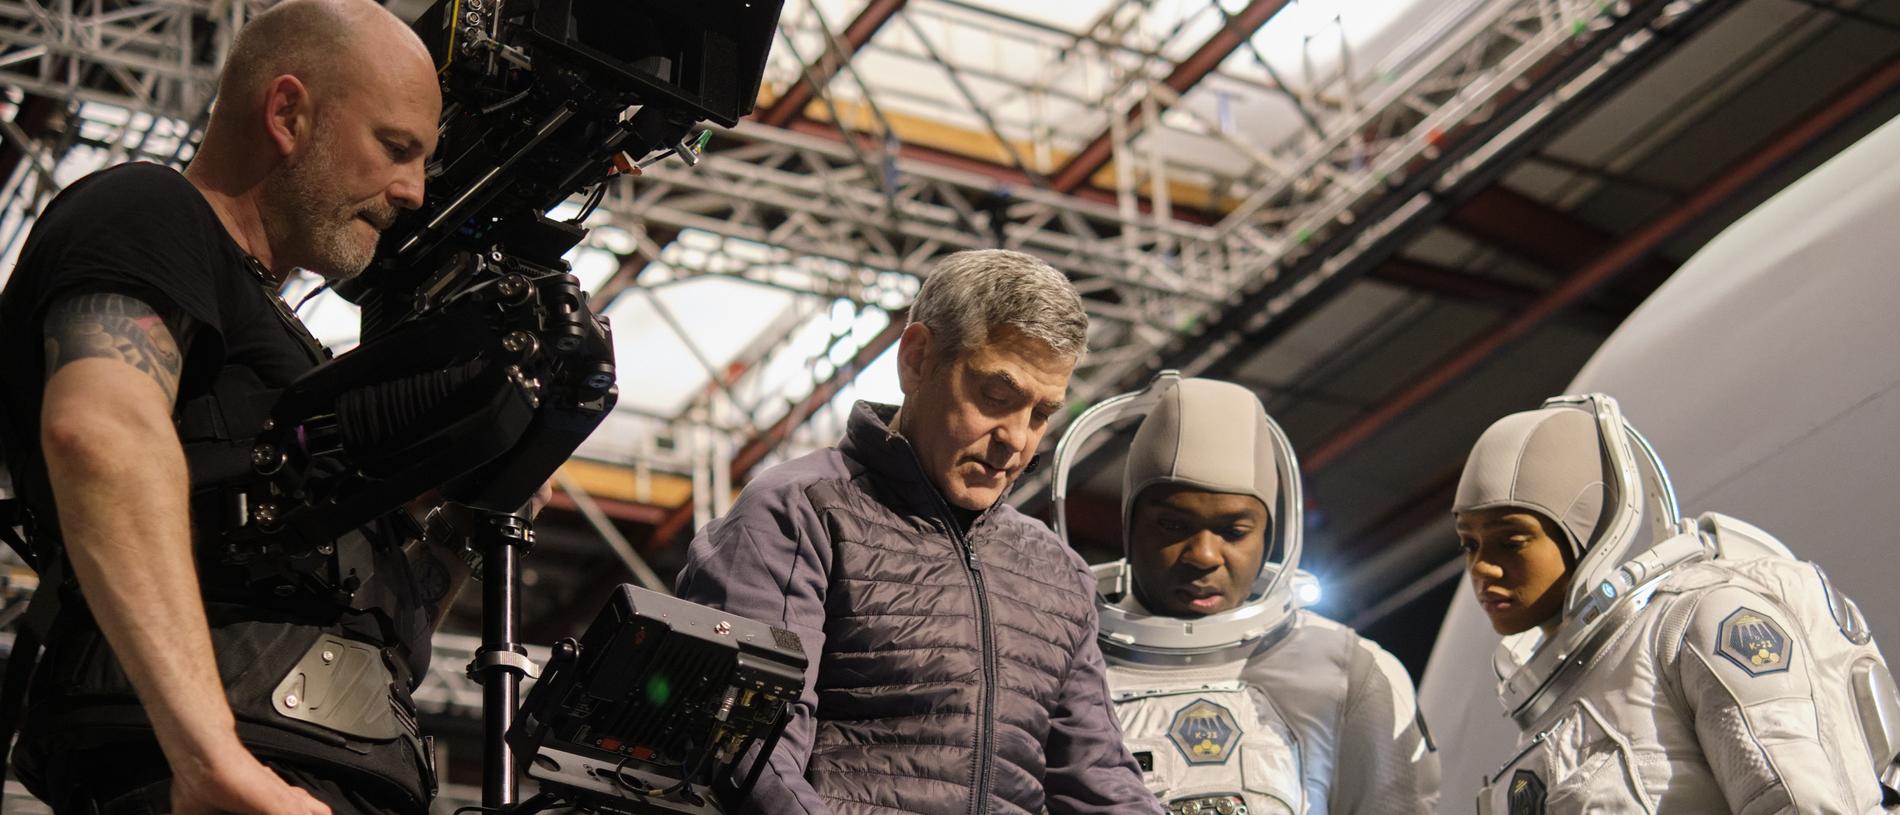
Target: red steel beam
column 1528, row 228
column 1454, row 284
column 1233, row 32
column 855, row 35
column 630, row 511
column 1534, row 231
column 755, row 450
column 1871, row 88
column 1465, row 287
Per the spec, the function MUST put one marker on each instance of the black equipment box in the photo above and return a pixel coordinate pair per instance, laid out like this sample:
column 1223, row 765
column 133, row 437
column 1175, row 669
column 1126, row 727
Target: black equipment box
column 656, row 705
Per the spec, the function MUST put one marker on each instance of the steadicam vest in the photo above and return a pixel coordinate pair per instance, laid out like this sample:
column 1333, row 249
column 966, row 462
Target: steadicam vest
column 350, row 713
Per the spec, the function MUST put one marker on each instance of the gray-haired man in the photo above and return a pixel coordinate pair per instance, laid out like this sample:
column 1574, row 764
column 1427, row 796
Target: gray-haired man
column 954, row 667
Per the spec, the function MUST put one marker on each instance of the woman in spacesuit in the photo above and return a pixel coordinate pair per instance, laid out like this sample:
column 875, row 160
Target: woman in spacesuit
column 1699, row 669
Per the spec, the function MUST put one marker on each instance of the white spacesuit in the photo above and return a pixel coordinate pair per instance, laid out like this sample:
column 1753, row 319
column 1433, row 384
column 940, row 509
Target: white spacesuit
column 1708, row 672
column 1265, row 708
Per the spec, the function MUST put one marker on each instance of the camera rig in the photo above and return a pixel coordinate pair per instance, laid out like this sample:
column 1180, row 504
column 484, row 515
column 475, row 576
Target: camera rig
column 655, row 704
column 483, row 366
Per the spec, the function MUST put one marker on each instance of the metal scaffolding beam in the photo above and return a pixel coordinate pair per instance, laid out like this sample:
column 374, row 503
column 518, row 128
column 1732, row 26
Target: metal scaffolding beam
column 1512, row 73
column 1234, row 31
column 814, row 77
column 810, row 201
column 158, row 57
column 1001, row 174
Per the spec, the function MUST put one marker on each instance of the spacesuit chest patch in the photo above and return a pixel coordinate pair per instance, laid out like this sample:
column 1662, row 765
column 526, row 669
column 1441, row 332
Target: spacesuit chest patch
column 1526, row 794
column 1204, row 732
column 1754, row 642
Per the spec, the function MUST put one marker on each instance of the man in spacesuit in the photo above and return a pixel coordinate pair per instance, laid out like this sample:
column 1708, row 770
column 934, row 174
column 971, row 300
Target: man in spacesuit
column 1231, row 697
column 1699, row 669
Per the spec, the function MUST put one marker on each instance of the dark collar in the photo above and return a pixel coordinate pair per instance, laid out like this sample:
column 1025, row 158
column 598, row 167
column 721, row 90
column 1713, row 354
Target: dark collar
column 870, row 441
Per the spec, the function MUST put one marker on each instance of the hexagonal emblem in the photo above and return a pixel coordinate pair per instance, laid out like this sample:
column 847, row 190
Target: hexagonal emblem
column 1204, row 732
column 1526, row 794
column 1755, row 642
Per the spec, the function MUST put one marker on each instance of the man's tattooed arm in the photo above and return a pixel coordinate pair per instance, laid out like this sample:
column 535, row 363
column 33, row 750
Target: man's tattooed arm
column 439, row 575
column 114, row 326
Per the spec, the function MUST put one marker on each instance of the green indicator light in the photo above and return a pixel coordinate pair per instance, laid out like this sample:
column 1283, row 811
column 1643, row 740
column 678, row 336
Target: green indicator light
column 658, row 690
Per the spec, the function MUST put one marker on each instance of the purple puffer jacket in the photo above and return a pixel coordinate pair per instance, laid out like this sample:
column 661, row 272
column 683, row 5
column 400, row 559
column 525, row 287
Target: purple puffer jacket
column 951, row 671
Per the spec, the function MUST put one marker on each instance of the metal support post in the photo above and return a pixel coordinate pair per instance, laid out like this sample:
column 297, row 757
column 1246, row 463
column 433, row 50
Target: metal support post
column 501, row 663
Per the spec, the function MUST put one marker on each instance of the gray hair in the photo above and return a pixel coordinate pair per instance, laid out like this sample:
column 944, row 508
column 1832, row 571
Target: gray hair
column 973, row 292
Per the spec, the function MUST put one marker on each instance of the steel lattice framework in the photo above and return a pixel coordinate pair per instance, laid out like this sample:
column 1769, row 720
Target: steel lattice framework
column 159, row 57
column 1150, row 279
column 1366, row 167
column 852, row 212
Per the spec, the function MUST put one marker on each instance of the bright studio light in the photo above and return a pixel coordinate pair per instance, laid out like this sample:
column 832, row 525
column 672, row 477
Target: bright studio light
column 1307, row 593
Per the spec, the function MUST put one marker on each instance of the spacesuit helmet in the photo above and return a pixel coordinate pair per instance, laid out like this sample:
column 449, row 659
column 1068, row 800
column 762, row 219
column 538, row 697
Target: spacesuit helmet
column 1547, row 464
column 1578, row 463
column 1211, row 436
column 1548, row 461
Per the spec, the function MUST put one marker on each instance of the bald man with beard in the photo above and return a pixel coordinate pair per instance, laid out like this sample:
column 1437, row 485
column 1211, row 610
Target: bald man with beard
column 153, row 294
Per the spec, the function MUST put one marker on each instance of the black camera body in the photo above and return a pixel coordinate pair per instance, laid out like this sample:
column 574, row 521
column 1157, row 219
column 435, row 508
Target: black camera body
column 483, row 365
column 541, row 98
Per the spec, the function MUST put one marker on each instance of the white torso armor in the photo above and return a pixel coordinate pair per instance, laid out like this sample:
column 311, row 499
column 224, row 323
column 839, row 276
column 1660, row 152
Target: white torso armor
column 1208, row 742
column 1311, row 719
column 1719, row 686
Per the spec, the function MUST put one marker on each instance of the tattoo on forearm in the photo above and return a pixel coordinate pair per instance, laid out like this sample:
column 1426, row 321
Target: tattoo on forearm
column 432, row 579
column 113, row 326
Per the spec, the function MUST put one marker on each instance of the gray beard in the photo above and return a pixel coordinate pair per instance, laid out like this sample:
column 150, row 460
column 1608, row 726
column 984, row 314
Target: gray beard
column 315, row 227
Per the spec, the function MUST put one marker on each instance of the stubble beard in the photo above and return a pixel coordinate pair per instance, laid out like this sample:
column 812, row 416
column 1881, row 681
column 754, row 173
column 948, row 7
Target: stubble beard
column 318, row 220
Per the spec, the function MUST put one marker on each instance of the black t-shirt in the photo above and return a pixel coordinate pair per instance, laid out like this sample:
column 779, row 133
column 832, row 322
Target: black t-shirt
column 144, row 231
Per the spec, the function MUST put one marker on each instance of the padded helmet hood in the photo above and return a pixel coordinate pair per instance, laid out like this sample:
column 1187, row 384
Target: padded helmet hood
column 1549, row 461
column 1205, row 434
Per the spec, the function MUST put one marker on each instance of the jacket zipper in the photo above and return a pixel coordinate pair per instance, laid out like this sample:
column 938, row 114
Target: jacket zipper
column 986, row 727
column 985, row 731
